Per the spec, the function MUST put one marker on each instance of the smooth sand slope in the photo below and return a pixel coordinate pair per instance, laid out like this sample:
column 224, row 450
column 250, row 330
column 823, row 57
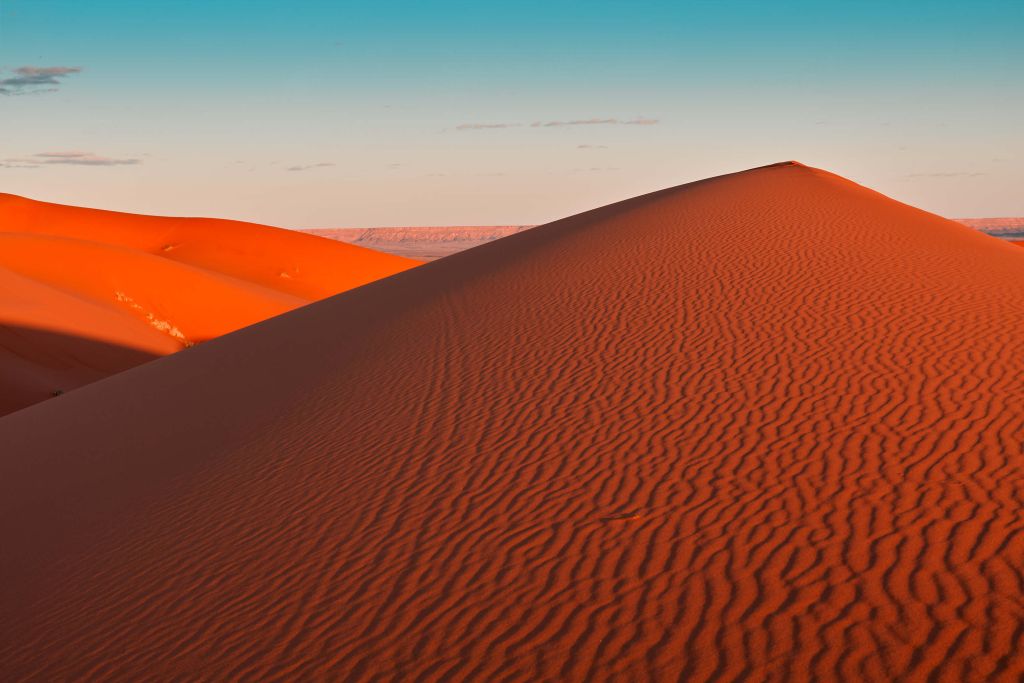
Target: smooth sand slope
column 86, row 293
column 766, row 425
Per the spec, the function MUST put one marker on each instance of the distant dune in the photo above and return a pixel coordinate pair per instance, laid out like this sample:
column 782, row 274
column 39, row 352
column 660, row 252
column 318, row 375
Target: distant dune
column 765, row 426
column 426, row 243
column 86, row 293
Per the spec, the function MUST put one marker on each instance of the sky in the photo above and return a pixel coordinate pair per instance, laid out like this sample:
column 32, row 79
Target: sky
column 305, row 113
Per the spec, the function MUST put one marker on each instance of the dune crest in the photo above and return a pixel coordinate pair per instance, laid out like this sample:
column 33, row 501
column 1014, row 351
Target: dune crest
column 761, row 426
column 113, row 279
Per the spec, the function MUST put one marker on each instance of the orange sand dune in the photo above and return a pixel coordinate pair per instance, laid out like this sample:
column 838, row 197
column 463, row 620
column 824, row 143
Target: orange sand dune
column 764, row 426
column 285, row 260
column 110, row 290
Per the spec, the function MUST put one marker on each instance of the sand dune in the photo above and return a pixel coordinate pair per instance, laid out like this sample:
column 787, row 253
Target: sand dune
column 763, row 426
column 131, row 288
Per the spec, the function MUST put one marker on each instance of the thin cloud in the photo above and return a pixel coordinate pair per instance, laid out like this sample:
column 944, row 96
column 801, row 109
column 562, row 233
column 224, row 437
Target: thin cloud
column 591, row 146
column 575, row 122
column 67, row 158
column 948, row 174
column 83, row 159
column 306, row 167
column 484, row 126
column 36, row 79
column 639, row 121
column 595, row 122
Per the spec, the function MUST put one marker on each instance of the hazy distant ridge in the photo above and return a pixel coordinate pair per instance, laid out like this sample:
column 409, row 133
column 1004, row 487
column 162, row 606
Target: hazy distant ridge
column 421, row 242
column 433, row 242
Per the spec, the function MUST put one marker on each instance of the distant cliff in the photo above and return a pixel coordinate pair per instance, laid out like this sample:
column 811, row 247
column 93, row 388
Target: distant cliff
column 1001, row 227
column 429, row 243
column 420, row 242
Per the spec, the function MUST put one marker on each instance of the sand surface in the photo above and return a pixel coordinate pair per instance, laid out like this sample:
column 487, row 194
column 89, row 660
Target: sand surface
column 86, row 293
column 763, row 426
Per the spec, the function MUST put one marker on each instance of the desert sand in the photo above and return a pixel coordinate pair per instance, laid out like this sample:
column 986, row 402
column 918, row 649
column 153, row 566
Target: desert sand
column 86, row 293
column 762, row 426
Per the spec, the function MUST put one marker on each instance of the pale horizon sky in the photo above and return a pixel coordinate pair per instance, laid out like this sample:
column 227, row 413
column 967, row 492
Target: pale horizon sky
column 334, row 114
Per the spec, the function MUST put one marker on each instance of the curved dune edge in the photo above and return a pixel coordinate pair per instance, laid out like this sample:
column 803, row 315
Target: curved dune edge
column 765, row 425
column 87, row 293
column 288, row 261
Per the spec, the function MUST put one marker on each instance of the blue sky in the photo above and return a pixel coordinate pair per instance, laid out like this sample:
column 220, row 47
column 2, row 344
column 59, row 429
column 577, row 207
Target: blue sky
column 309, row 113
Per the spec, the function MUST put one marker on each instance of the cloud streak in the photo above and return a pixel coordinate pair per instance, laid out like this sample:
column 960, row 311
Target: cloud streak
column 947, row 174
column 306, row 167
column 485, row 126
column 36, row 79
column 83, row 159
column 596, row 122
column 68, row 159
column 639, row 121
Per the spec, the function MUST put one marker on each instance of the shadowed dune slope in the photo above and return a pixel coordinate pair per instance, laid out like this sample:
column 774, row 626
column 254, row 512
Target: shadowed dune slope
column 766, row 425
column 147, row 286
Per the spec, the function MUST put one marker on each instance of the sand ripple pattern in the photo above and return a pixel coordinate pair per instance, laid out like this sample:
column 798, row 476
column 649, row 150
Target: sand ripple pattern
column 762, row 427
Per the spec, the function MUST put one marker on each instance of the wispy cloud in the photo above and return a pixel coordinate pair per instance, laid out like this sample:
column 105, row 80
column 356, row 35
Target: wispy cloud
column 947, row 174
column 36, row 79
column 639, row 121
column 84, row 159
column 306, row 167
column 484, row 126
column 596, row 122
column 591, row 146
column 67, row 158
column 575, row 122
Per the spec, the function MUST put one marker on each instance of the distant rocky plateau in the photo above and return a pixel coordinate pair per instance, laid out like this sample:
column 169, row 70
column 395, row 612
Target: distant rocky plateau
column 426, row 243
column 434, row 242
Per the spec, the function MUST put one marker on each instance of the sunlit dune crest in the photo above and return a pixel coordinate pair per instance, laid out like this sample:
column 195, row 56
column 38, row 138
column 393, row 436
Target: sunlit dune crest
column 762, row 426
column 87, row 293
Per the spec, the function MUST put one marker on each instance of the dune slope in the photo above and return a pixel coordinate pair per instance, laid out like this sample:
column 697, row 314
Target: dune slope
column 120, row 289
column 766, row 425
